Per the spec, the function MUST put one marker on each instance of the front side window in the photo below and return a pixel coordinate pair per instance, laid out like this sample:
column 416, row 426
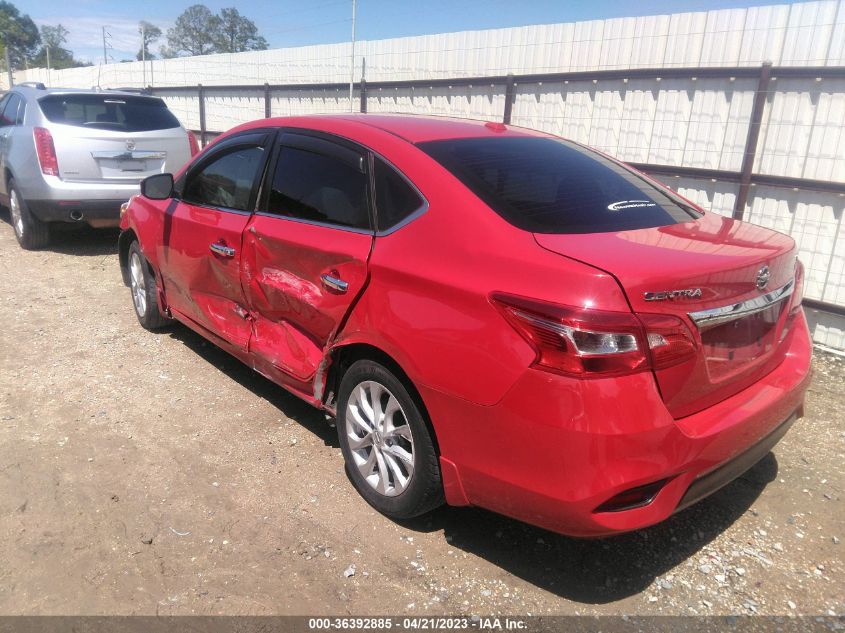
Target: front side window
column 318, row 187
column 547, row 185
column 121, row 113
column 227, row 181
column 395, row 198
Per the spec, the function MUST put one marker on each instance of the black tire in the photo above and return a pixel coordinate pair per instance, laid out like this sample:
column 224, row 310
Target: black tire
column 30, row 232
column 143, row 290
column 424, row 489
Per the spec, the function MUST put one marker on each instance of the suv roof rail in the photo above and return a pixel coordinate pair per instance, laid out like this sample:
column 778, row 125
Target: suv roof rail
column 33, row 84
column 140, row 91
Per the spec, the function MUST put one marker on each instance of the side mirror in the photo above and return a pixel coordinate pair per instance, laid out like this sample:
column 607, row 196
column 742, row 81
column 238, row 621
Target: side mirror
column 158, row 187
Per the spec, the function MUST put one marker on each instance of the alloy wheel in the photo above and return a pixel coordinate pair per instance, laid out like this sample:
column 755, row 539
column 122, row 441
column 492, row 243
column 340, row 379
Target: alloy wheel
column 138, row 284
column 380, row 438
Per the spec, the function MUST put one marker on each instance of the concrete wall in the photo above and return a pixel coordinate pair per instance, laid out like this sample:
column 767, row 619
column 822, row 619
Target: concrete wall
column 692, row 122
column 800, row 34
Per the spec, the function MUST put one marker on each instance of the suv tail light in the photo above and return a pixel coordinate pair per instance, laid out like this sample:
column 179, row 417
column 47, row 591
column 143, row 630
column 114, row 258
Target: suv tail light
column 593, row 343
column 46, row 151
column 192, row 141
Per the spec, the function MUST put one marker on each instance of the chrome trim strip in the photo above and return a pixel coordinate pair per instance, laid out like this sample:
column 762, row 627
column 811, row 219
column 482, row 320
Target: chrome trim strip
column 130, row 155
column 716, row 316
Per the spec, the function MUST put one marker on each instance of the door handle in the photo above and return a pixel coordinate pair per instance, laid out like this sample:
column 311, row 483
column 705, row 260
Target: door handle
column 222, row 250
column 333, row 283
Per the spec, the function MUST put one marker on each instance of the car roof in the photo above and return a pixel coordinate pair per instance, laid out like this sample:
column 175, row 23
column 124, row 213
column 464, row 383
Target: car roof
column 35, row 91
column 410, row 127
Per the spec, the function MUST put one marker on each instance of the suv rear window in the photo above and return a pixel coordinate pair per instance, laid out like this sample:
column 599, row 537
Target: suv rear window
column 546, row 185
column 121, row 113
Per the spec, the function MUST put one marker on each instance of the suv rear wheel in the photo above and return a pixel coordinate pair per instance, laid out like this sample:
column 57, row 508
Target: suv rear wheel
column 30, row 232
column 389, row 452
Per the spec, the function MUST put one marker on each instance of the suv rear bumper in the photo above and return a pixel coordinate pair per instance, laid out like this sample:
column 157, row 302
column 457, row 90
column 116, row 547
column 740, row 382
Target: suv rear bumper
column 556, row 451
column 97, row 213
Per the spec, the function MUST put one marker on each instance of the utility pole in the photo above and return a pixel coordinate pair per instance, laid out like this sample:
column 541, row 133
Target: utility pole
column 143, row 55
column 352, row 61
column 105, row 55
column 8, row 65
column 47, row 49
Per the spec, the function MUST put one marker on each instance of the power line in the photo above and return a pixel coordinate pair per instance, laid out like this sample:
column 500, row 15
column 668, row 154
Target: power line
column 307, row 26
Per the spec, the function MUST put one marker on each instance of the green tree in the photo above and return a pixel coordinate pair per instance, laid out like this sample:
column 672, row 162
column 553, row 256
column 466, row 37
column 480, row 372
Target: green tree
column 195, row 31
column 167, row 53
column 238, row 33
column 17, row 32
column 149, row 34
column 53, row 37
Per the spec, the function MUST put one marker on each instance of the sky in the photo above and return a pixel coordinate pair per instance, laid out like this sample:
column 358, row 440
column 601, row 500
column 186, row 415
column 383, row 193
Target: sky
column 299, row 23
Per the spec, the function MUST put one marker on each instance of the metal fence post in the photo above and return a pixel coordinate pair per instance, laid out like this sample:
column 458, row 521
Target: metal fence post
column 510, row 90
column 266, row 100
column 750, row 152
column 201, row 97
column 363, row 95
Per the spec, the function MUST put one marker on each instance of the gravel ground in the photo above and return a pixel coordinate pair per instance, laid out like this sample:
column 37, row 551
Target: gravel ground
column 152, row 474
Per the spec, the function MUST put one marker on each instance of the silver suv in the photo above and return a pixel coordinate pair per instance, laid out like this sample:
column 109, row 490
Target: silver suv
column 77, row 155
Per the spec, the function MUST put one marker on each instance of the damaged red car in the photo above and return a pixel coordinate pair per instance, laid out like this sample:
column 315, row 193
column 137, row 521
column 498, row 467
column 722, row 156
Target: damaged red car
column 496, row 317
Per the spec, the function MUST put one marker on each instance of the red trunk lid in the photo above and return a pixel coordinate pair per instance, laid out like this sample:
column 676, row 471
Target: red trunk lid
column 721, row 257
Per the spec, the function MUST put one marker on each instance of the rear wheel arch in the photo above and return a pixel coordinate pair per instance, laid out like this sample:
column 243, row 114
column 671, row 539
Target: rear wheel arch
column 123, row 243
column 342, row 357
column 8, row 177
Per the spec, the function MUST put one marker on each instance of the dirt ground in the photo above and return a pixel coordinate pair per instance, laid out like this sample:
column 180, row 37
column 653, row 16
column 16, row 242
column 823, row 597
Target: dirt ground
column 153, row 474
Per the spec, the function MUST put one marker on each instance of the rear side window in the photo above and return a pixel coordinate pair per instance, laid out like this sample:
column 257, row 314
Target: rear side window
column 11, row 113
column 21, row 113
column 546, row 185
column 395, row 198
column 122, row 113
column 226, row 182
column 319, row 188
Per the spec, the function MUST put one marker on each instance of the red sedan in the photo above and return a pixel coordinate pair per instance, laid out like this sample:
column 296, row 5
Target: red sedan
column 495, row 316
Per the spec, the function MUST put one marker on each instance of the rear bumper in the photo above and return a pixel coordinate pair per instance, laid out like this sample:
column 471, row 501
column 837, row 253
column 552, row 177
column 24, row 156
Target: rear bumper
column 37, row 186
column 94, row 212
column 706, row 484
column 555, row 449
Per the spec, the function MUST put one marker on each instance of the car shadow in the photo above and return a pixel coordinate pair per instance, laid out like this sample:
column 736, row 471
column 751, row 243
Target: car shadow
column 73, row 239
column 598, row 571
column 82, row 240
column 308, row 417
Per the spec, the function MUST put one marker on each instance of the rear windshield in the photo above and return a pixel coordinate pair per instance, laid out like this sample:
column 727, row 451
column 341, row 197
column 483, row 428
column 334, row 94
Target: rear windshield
column 109, row 112
column 546, row 185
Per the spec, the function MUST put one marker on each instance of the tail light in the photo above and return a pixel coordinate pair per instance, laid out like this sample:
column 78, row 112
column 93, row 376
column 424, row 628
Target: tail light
column 669, row 340
column 795, row 300
column 46, row 151
column 192, row 141
column 591, row 343
column 798, row 290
